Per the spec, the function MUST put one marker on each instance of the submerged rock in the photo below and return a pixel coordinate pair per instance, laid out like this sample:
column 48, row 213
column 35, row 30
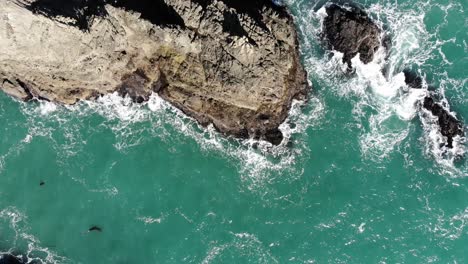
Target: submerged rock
column 11, row 259
column 231, row 63
column 351, row 31
column 412, row 79
column 450, row 126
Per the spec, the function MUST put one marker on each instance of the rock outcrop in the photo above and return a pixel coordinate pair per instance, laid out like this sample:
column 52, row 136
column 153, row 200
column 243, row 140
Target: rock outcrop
column 412, row 79
column 449, row 126
column 231, row 63
column 351, row 32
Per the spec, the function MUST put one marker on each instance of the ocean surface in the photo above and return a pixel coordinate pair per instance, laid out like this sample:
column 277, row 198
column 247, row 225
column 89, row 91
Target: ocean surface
column 361, row 178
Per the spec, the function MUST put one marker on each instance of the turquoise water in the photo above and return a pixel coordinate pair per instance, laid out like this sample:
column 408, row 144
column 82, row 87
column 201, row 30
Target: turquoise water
column 360, row 181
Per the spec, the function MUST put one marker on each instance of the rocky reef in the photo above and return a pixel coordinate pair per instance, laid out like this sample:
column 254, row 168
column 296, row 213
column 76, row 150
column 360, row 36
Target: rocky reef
column 351, row 31
column 229, row 63
column 449, row 126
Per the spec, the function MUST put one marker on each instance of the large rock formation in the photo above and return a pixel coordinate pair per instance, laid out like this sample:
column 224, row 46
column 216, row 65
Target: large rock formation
column 231, row 63
column 351, row 32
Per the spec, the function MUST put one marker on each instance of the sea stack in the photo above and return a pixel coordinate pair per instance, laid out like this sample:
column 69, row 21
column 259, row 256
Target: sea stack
column 351, row 31
column 229, row 63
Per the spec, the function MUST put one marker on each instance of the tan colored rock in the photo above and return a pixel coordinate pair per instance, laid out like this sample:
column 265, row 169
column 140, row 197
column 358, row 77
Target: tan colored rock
column 242, row 83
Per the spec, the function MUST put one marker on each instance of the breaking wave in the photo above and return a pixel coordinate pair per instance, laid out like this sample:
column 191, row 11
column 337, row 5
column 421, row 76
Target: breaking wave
column 132, row 123
column 20, row 239
column 383, row 105
column 384, row 108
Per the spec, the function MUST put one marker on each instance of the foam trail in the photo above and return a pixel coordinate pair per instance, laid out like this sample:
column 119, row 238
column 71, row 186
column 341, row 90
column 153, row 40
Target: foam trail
column 24, row 241
column 257, row 159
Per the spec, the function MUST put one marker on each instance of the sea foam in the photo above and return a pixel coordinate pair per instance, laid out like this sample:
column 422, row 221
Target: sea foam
column 380, row 85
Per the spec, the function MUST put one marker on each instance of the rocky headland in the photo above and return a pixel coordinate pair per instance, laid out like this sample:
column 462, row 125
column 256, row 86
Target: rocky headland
column 229, row 63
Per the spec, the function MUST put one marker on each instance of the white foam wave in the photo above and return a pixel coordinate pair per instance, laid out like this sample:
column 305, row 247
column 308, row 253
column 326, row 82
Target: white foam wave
column 436, row 145
column 257, row 159
column 244, row 244
column 379, row 86
column 22, row 240
column 150, row 220
column 374, row 90
column 386, row 95
column 17, row 148
column 45, row 108
column 451, row 227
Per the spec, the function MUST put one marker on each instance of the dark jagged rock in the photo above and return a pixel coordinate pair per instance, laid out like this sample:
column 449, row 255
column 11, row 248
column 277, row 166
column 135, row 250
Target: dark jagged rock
column 274, row 136
column 351, row 32
column 11, row 259
column 412, row 79
column 16, row 258
column 450, row 126
column 234, row 64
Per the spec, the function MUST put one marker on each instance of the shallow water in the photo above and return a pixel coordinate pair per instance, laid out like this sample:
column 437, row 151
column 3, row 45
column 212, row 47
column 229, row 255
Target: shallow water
column 361, row 179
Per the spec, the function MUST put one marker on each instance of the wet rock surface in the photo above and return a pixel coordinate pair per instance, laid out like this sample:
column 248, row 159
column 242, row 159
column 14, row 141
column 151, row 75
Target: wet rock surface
column 450, row 126
column 412, row 79
column 234, row 64
column 351, row 31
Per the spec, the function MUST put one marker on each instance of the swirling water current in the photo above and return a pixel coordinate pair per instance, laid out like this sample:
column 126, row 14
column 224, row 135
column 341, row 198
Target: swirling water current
column 361, row 179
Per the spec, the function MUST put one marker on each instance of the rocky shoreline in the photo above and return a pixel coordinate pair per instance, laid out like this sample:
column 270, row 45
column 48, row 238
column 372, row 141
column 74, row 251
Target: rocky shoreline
column 234, row 65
